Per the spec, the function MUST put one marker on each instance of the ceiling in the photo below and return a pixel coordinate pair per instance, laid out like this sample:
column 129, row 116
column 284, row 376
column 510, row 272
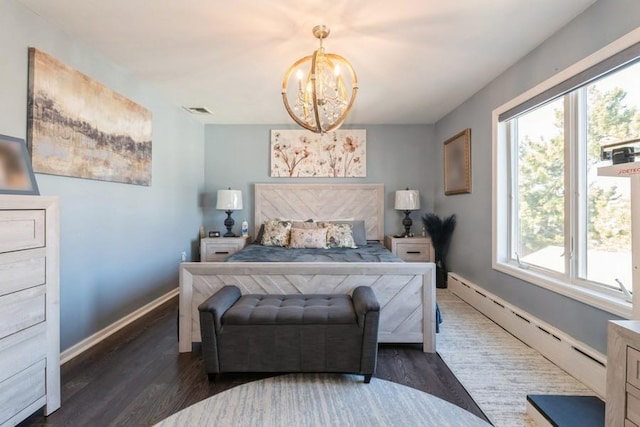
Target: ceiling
column 416, row 60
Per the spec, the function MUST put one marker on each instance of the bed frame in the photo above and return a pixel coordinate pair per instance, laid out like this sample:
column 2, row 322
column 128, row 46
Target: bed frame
column 406, row 291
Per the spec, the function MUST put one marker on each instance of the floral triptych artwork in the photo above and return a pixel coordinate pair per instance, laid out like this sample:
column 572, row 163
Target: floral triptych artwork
column 300, row 153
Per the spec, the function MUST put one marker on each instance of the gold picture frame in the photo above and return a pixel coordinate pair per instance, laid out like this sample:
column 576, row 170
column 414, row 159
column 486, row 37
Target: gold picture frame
column 457, row 163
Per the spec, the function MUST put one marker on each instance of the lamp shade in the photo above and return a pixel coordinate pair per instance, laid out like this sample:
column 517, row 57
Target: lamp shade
column 229, row 200
column 407, row 200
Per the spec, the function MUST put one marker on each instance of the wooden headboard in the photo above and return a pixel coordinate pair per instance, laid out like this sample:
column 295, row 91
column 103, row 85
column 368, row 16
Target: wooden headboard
column 322, row 201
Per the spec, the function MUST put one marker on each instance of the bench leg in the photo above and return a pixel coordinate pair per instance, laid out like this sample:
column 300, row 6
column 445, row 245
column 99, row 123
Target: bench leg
column 367, row 378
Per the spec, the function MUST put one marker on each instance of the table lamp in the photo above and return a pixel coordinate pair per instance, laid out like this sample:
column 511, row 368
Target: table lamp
column 407, row 201
column 228, row 201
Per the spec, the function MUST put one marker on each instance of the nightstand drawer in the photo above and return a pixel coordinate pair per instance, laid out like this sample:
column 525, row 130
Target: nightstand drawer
column 633, row 367
column 21, row 229
column 215, row 249
column 410, row 249
column 413, row 252
column 219, row 252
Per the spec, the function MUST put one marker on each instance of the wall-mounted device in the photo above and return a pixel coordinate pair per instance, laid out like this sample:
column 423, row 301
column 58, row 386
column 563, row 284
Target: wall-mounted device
column 621, row 152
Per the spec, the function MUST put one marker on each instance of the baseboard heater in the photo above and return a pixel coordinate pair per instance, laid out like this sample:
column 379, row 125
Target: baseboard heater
column 576, row 358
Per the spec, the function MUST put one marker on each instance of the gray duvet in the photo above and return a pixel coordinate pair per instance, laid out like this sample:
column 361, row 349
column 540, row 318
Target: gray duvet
column 372, row 252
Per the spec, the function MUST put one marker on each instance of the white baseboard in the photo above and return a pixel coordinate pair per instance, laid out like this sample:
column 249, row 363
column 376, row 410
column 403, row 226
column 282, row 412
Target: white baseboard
column 576, row 358
column 94, row 339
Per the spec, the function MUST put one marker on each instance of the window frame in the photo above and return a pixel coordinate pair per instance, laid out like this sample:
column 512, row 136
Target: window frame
column 576, row 288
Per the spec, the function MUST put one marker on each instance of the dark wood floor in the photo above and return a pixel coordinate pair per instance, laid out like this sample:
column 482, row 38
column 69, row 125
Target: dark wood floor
column 137, row 377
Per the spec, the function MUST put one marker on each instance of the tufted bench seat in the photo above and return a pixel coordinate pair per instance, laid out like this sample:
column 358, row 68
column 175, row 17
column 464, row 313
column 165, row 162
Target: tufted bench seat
column 290, row 333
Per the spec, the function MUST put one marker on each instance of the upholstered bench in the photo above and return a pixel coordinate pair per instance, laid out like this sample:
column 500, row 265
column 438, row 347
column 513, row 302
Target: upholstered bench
column 290, row 333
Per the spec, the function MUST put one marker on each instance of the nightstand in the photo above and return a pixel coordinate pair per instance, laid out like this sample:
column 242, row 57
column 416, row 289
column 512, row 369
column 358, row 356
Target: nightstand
column 411, row 249
column 219, row 248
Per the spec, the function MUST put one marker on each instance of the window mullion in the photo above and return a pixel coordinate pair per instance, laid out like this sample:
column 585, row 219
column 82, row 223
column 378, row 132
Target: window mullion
column 580, row 193
column 569, row 155
column 512, row 178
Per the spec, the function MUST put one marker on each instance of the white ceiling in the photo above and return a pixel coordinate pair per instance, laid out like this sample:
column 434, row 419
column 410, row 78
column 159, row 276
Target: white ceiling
column 416, row 60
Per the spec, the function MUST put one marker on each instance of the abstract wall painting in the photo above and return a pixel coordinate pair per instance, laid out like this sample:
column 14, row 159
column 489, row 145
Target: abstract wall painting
column 301, row 153
column 78, row 127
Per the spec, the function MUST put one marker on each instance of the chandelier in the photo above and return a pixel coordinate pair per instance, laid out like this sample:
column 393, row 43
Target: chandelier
column 320, row 99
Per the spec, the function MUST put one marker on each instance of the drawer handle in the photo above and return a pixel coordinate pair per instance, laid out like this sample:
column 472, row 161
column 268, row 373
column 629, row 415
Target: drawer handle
column 414, row 252
column 222, row 252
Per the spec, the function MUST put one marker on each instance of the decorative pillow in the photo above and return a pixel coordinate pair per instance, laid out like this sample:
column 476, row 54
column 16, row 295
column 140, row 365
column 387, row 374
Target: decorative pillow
column 340, row 236
column 304, row 224
column 358, row 230
column 260, row 235
column 276, row 233
column 308, row 238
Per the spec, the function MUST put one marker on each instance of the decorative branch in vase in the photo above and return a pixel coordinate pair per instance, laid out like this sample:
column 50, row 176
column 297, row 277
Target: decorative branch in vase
column 441, row 231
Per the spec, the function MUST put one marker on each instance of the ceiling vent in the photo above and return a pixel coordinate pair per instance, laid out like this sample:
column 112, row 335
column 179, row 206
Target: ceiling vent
column 199, row 110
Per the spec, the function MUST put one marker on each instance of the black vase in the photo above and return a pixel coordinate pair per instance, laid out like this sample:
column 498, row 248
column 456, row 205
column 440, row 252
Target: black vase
column 441, row 277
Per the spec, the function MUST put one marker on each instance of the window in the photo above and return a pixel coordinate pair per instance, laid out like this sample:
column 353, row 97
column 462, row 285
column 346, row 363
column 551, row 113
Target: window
column 537, row 140
column 558, row 223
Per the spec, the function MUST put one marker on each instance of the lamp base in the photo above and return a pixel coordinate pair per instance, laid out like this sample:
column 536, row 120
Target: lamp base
column 407, row 222
column 229, row 224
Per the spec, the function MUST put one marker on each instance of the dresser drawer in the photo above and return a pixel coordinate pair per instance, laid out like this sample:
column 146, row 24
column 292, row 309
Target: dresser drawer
column 22, row 390
column 21, row 229
column 413, row 252
column 633, row 367
column 21, row 310
column 633, row 404
column 21, row 350
column 22, row 270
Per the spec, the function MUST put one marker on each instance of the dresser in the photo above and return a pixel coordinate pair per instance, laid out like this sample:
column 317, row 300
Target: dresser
column 411, row 249
column 218, row 248
column 29, row 307
column 623, row 374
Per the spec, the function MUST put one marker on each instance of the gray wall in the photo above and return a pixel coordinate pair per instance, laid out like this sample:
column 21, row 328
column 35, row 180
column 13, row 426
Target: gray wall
column 120, row 244
column 398, row 156
column 470, row 255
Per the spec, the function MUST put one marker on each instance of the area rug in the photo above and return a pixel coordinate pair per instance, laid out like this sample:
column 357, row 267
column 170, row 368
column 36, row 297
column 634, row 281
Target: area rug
column 497, row 369
column 322, row 400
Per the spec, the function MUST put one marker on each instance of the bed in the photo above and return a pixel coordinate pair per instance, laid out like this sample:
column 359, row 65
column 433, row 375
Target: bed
column 406, row 291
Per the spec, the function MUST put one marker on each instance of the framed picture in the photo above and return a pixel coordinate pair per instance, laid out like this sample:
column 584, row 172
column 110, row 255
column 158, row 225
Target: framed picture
column 301, row 153
column 16, row 174
column 457, row 163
